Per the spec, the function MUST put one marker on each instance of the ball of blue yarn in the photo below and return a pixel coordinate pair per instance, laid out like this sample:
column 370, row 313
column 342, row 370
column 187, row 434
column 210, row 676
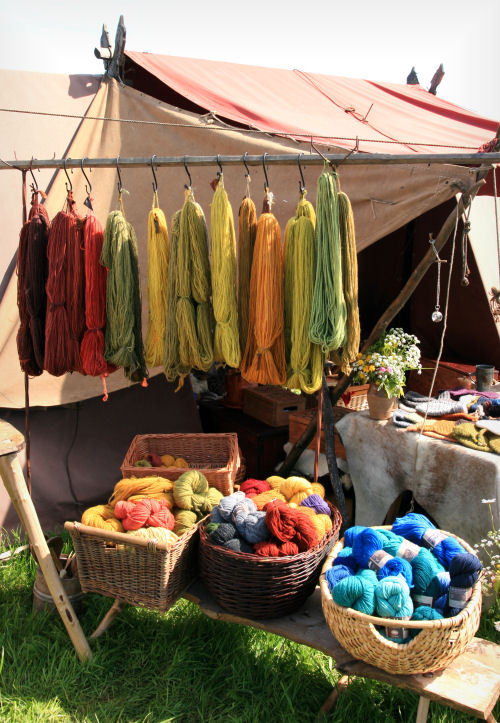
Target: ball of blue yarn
column 238, row 545
column 253, row 527
column 215, row 515
column 425, row 612
column 225, row 531
column 441, row 604
column 227, row 503
column 351, row 533
column 357, row 592
column 240, row 512
column 391, row 541
column 369, row 541
column 439, row 584
column 345, row 557
column 464, row 573
column 316, row 503
column 414, row 525
column 336, row 574
column 392, row 598
column 425, row 568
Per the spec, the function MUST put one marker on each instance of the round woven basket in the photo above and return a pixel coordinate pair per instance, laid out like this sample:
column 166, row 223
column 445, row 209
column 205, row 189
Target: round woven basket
column 436, row 645
column 262, row 587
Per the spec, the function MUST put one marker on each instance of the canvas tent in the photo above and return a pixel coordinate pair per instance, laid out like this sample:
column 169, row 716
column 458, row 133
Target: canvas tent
column 74, row 454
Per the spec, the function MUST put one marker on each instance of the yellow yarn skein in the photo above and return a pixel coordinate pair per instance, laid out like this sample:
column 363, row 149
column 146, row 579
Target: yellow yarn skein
column 295, row 489
column 191, row 492
column 184, row 520
column 247, row 231
column 147, row 486
column 194, row 313
column 264, row 497
column 158, row 253
column 275, row 481
column 322, row 523
column 223, row 267
column 171, row 356
column 160, row 534
column 103, row 517
column 318, row 489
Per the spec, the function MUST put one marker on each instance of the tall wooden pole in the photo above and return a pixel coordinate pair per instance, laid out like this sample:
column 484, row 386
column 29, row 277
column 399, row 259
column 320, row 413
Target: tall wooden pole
column 11, row 442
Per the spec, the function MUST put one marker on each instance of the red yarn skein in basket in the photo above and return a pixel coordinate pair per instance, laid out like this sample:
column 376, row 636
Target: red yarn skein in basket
column 290, row 525
column 275, row 549
column 144, row 513
column 252, row 487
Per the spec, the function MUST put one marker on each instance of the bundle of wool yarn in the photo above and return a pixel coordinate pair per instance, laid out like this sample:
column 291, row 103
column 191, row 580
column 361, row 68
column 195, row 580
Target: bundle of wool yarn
column 144, row 513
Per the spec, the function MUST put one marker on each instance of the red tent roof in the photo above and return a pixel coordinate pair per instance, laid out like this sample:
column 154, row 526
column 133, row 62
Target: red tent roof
column 333, row 110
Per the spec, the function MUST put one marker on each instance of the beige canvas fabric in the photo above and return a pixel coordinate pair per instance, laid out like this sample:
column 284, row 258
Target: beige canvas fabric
column 384, row 198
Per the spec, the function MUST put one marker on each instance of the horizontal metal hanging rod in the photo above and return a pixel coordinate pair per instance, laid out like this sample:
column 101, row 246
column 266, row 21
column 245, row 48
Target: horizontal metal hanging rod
column 461, row 159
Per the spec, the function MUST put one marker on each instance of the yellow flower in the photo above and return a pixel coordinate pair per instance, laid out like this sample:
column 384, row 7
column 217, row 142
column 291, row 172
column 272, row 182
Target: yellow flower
column 366, row 369
column 371, row 368
column 368, row 357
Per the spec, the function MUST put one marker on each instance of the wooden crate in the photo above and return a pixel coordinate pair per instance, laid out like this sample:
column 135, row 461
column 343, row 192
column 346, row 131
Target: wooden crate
column 272, row 405
column 297, row 424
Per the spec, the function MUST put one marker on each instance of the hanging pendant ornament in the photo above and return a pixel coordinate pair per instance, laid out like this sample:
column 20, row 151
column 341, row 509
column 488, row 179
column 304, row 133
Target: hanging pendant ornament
column 437, row 316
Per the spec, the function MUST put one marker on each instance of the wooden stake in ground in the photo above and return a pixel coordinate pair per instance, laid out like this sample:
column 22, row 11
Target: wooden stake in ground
column 11, row 442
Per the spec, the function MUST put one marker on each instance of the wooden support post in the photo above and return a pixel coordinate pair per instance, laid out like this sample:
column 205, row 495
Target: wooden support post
column 11, row 442
column 331, row 459
column 422, row 710
column 334, row 695
column 112, row 613
column 386, row 318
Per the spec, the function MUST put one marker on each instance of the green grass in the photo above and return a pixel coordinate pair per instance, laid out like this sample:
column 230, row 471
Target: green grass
column 180, row 666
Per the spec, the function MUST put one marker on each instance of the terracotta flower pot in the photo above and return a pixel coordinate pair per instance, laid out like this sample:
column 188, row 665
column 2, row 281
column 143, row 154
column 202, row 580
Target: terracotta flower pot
column 380, row 406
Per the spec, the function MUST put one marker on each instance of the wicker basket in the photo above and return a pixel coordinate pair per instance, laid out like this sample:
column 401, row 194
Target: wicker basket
column 132, row 569
column 438, row 643
column 262, row 587
column 216, row 455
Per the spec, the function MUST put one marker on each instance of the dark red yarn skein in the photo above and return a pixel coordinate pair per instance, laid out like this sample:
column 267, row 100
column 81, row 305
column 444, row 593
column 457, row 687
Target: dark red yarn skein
column 92, row 346
column 290, row 525
column 75, row 293
column 275, row 549
column 59, row 348
column 31, row 298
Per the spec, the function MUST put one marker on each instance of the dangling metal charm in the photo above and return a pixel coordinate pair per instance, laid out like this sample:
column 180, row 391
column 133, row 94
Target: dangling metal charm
column 437, row 316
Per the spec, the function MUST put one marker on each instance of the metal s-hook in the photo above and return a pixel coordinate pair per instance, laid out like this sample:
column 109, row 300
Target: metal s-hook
column 247, row 174
column 89, row 189
column 34, row 186
column 189, row 175
column 266, row 184
column 302, row 183
column 155, row 182
column 219, row 172
column 69, row 180
column 119, row 184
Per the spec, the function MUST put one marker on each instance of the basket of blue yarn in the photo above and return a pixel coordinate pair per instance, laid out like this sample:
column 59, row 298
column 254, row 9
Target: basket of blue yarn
column 370, row 615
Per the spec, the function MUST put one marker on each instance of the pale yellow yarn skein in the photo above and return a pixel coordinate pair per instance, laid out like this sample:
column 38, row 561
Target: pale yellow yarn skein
column 102, row 517
column 158, row 255
column 223, row 267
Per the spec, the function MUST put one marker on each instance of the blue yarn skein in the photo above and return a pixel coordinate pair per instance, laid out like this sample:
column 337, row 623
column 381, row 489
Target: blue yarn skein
column 425, row 612
column 464, row 573
column 316, row 503
column 251, row 525
column 215, row 515
column 441, row 604
column 392, row 598
column 336, row 574
column 413, row 526
column 351, row 533
column 238, row 545
column 225, row 531
column 227, row 503
column 345, row 557
column 357, row 592
column 368, row 542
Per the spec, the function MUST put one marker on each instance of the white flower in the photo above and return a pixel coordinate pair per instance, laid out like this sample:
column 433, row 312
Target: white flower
column 497, row 625
column 489, row 502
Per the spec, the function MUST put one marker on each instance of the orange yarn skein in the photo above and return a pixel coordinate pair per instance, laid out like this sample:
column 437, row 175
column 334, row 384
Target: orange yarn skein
column 264, row 358
column 145, row 513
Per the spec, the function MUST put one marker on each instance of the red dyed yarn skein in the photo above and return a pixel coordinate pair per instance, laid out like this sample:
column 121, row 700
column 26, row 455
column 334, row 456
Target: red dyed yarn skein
column 144, row 513
column 252, row 487
column 290, row 525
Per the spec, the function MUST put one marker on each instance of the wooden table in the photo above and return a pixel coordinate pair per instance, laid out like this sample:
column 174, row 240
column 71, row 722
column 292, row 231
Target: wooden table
column 470, row 684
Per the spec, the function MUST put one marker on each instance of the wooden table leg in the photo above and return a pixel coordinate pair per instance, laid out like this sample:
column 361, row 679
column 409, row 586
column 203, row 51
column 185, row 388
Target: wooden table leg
column 422, row 710
column 334, row 695
column 112, row 613
column 491, row 719
column 14, row 482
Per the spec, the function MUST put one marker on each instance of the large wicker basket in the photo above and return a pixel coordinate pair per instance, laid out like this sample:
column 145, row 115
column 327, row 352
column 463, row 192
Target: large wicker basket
column 132, row 569
column 262, row 587
column 216, row 455
column 436, row 645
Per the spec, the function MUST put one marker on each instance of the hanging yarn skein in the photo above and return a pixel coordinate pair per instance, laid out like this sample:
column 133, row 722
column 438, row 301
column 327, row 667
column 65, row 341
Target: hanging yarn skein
column 60, row 353
column 171, row 359
column 304, row 359
column 194, row 313
column 158, row 257
column 223, row 267
column 124, row 345
column 347, row 354
column 247, row 231
column 328, row 314
column 264, row 358
column 31, row 295
column 92, row 346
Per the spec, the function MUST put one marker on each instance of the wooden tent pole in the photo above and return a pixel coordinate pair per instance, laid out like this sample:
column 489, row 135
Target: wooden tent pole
column 384, row 321
column 11, row 442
